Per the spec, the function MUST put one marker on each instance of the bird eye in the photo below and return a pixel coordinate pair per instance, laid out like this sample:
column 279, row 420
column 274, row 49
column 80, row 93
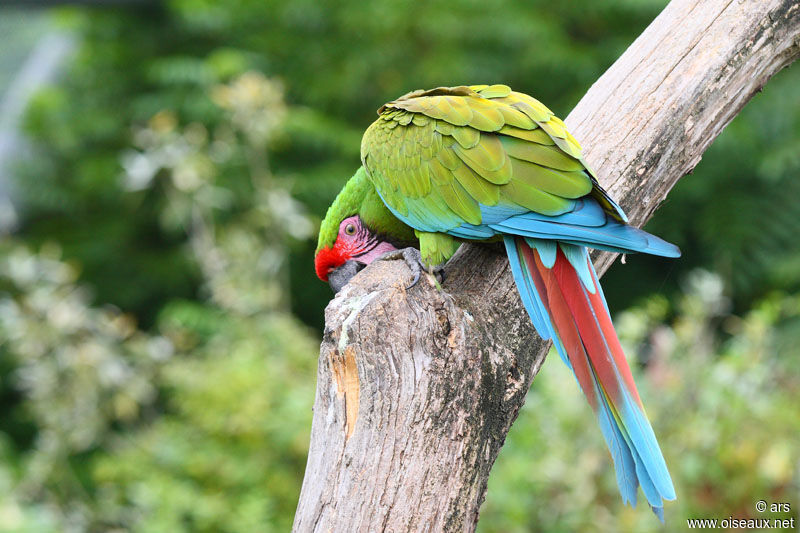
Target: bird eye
column 350, row 229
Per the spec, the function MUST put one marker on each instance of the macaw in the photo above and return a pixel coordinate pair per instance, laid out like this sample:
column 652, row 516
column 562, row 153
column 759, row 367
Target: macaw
column 484, row 163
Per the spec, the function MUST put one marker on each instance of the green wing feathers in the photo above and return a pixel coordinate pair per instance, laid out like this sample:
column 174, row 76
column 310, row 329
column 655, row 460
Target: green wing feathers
column 438, row 154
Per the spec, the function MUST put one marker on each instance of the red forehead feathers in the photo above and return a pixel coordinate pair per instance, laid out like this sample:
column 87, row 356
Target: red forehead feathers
column 328, row 259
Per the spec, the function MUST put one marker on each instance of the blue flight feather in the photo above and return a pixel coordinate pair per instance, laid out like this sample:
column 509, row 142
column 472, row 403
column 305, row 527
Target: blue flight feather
column 546, row 249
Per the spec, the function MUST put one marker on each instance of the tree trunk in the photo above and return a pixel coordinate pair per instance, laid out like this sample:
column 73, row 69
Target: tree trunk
column 417, row 389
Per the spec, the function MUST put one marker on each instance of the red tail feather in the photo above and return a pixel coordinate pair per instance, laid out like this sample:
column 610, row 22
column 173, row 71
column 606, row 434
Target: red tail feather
column 561, row 316
column 583, row 324
column 563, row 308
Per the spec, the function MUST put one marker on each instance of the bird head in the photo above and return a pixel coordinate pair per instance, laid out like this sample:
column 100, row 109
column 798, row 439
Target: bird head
column 355, row 246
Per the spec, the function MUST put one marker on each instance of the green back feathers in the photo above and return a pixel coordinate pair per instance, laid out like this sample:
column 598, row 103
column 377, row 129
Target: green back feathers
column 358, row 197
column 438, row 155
column 439, row 158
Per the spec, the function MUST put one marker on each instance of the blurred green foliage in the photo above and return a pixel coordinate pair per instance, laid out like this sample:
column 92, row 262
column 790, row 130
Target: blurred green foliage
column 159, row 313
column 200, row 423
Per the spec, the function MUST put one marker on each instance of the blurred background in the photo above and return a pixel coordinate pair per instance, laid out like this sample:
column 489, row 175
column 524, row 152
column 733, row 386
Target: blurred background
column 163, row 170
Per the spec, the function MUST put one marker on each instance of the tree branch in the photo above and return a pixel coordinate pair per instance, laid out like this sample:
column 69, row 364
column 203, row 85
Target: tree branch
column 417, row 389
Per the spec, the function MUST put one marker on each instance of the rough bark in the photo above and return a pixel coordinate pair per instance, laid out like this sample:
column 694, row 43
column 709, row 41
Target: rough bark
column 418, row 388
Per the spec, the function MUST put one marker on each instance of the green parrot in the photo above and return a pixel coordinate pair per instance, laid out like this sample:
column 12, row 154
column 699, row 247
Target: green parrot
column 484, row 163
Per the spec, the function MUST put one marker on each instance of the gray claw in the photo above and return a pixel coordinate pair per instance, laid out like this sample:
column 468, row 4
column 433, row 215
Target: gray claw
column 413, row 259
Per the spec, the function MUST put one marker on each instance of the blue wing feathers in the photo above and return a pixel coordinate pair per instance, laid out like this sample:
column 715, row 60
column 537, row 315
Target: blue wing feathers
column 585, row 225
column 470, row 232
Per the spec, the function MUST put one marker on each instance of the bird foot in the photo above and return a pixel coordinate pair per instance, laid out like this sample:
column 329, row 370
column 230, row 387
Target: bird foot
column 413, row 259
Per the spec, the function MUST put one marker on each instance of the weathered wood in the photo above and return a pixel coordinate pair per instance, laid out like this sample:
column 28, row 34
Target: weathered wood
column 417, row 389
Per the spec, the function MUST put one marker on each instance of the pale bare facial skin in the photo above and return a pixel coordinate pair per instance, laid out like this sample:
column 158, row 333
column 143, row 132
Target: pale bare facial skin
column 361, row 245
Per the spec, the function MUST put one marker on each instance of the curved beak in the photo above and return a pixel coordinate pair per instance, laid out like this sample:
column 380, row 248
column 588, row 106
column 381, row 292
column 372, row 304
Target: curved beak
column 339, row 277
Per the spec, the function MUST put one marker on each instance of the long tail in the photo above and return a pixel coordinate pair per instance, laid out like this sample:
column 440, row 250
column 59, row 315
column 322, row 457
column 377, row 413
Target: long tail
column 560, row 291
